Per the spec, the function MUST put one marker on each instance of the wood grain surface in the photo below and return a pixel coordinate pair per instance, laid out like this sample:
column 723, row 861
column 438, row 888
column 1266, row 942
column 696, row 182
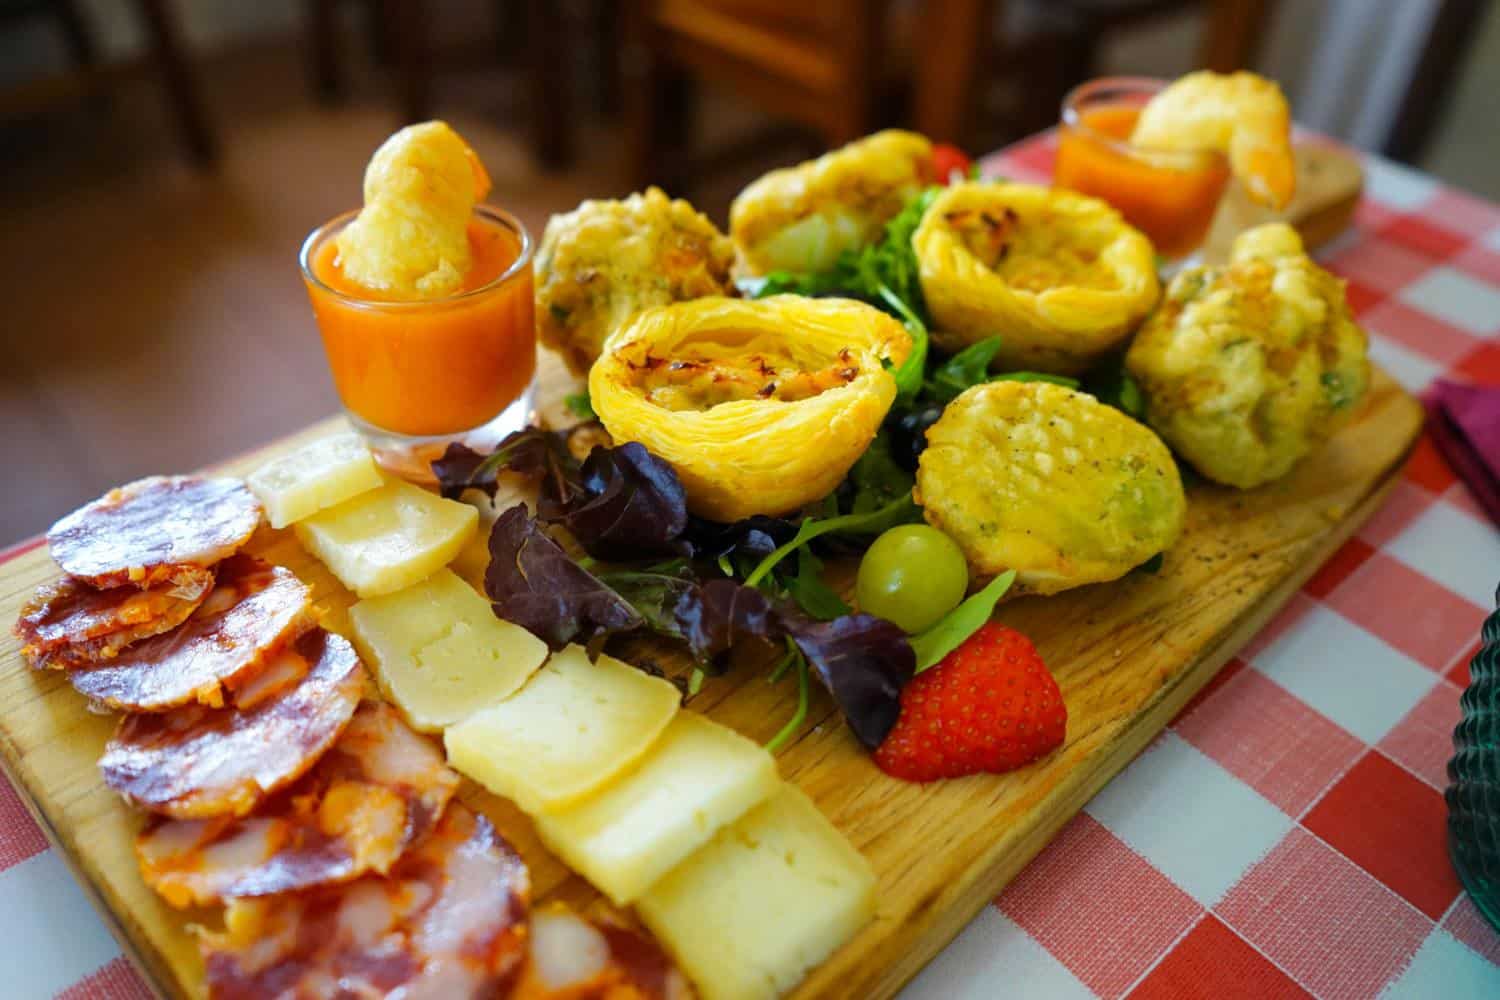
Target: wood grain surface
column 1128, row 656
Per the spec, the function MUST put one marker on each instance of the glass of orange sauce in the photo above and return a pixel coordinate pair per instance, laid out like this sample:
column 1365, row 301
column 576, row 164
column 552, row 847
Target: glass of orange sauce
column 416, row 375
column 1170, row 195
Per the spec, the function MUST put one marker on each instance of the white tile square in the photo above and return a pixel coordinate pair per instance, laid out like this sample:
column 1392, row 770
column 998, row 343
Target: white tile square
column 1411, row 369
column 1396, row 186
column 50, row 937
column 1194, row 821
column 1444, row 968
column 993, row 956
column 1491, row 239
column 1344, row 672
column 1452, row 296
column 1454, row 548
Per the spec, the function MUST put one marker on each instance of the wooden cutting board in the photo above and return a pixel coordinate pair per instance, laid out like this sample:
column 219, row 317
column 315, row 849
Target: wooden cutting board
column 1128, row 656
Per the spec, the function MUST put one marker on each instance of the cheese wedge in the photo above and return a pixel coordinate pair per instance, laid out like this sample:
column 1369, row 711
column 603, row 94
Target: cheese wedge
column 390, row 538
column 699, row 777
column 768, row 898
column 440, row 653
column 567, row 733
column 316, row 476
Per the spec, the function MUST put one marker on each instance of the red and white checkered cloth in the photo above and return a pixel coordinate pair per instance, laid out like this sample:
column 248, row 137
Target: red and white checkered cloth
column 1285, row 836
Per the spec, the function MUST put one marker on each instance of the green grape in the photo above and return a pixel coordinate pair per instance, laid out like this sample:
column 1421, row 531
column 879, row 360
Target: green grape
column 912, row 575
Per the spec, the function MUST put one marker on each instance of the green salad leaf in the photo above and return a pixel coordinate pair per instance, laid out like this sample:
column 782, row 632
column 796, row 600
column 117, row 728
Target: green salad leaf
column 960, row 623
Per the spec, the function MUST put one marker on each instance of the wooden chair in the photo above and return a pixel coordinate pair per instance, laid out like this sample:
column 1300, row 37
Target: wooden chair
column 89, row 79
column 401, row 35
column 816, row 64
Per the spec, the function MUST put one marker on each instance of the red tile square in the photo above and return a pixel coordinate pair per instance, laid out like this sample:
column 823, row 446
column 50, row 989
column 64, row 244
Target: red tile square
column 1410, row 611
column 1035, row 155
column 1468, row 925
column 1215, row 682
column 1461, row 213
column 1428, row 468
column 1350, row 557
column 115, row 980
column 1479, row 261
column 1098, row 907
column 1362, row 298
column 1273, row 742
column 20, row 837
column 1215, row 963
column 1315, row 914
column 1380, row 264
column 1458, row 673
column 1482, row 365
column 1394, row 827
column 1419, row 331
column 1423, row 741
column 1370, row 215
column 1423, row 236
column 1403, row 505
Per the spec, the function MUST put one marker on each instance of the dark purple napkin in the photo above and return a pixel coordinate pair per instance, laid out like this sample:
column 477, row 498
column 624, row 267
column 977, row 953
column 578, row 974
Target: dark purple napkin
column 1464, row 421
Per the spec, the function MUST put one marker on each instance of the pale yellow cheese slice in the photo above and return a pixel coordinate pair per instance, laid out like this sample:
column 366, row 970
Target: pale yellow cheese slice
column 768, row 898
column 389, row 538
column 572, row 728
column 699, row 777
column 316, row 476
column 440, row 653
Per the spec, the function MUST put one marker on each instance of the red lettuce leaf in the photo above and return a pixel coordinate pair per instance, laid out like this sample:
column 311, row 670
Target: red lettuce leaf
column 863, row 661
column 530, row 451
column 718, row 615
column 531, row 581
column 625, row 504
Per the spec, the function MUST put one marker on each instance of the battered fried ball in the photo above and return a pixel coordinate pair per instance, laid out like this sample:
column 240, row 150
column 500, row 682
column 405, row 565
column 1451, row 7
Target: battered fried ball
column 1049, row 482
column 802, row 218
column 1248, row 368
column 1059, row 276
column 605, row 261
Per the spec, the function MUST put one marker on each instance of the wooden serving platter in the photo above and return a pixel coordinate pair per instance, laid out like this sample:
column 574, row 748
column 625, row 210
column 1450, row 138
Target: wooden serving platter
column 1128, row 656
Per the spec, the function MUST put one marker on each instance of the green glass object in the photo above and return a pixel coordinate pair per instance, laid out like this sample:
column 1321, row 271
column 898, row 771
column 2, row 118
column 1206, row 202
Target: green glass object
column 1474, row 778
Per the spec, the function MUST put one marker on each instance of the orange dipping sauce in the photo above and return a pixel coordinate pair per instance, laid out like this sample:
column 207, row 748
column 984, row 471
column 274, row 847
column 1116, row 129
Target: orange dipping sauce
column 1169, row 196
column 430, row 367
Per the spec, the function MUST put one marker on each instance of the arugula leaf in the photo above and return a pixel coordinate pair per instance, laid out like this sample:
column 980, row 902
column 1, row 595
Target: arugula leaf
column 899, row 511
column 797, row 660
column 1112, row 385
column 970, row 367
column 811, row 593
column 580, row 405
column 960, row 623
column 877, row 478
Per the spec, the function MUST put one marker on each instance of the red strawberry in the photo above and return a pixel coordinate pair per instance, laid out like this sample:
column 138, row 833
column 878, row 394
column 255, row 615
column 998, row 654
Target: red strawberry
column 990, row 705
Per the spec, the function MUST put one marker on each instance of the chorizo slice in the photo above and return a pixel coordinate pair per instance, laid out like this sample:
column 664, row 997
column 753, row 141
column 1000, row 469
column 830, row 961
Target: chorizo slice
column 195, row 762
column 69, row 623
column 253, row 612
column 379, row 789
column 573, row 957
column 163, row 528
column 449, row 920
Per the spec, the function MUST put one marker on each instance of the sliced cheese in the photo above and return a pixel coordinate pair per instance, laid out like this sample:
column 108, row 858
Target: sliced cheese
column 768, row 898
column 440, row 653
column 315, row 477
column 390, row 538
column 699, row 777
column 572, row 728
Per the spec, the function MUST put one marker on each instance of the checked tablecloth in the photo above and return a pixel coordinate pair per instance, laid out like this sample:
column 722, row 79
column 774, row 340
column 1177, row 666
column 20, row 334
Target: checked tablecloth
column 1284, row 837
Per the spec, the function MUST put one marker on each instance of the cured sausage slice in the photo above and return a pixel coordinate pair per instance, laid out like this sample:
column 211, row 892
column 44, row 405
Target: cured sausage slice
column 378, row 789
column 154, row 530
column 571, row 957
column 195, row 762
column 448, row 921
column 254, row 610
column 69, row 623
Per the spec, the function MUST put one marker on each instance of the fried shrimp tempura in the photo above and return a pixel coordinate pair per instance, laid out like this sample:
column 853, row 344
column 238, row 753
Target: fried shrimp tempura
column 411, row 240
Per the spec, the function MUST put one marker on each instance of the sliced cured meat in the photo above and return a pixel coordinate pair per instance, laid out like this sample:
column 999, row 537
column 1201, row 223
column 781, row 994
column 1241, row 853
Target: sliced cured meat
column 195, row 762
column 154, row 530
column 448, row 922
column 378, row 789
column 254, row 610
column 571, row 957
column 69, row 623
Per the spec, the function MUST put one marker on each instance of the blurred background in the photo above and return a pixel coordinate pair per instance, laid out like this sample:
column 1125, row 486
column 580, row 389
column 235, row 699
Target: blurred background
column 161, row 160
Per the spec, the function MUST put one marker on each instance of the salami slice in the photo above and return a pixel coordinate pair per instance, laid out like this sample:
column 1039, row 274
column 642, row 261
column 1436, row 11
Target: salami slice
column 571, row 956
column 378, row 789
column 69, row 623
column 254, row 610
column 449, row 921
column 195, row 762
column 155, row 530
